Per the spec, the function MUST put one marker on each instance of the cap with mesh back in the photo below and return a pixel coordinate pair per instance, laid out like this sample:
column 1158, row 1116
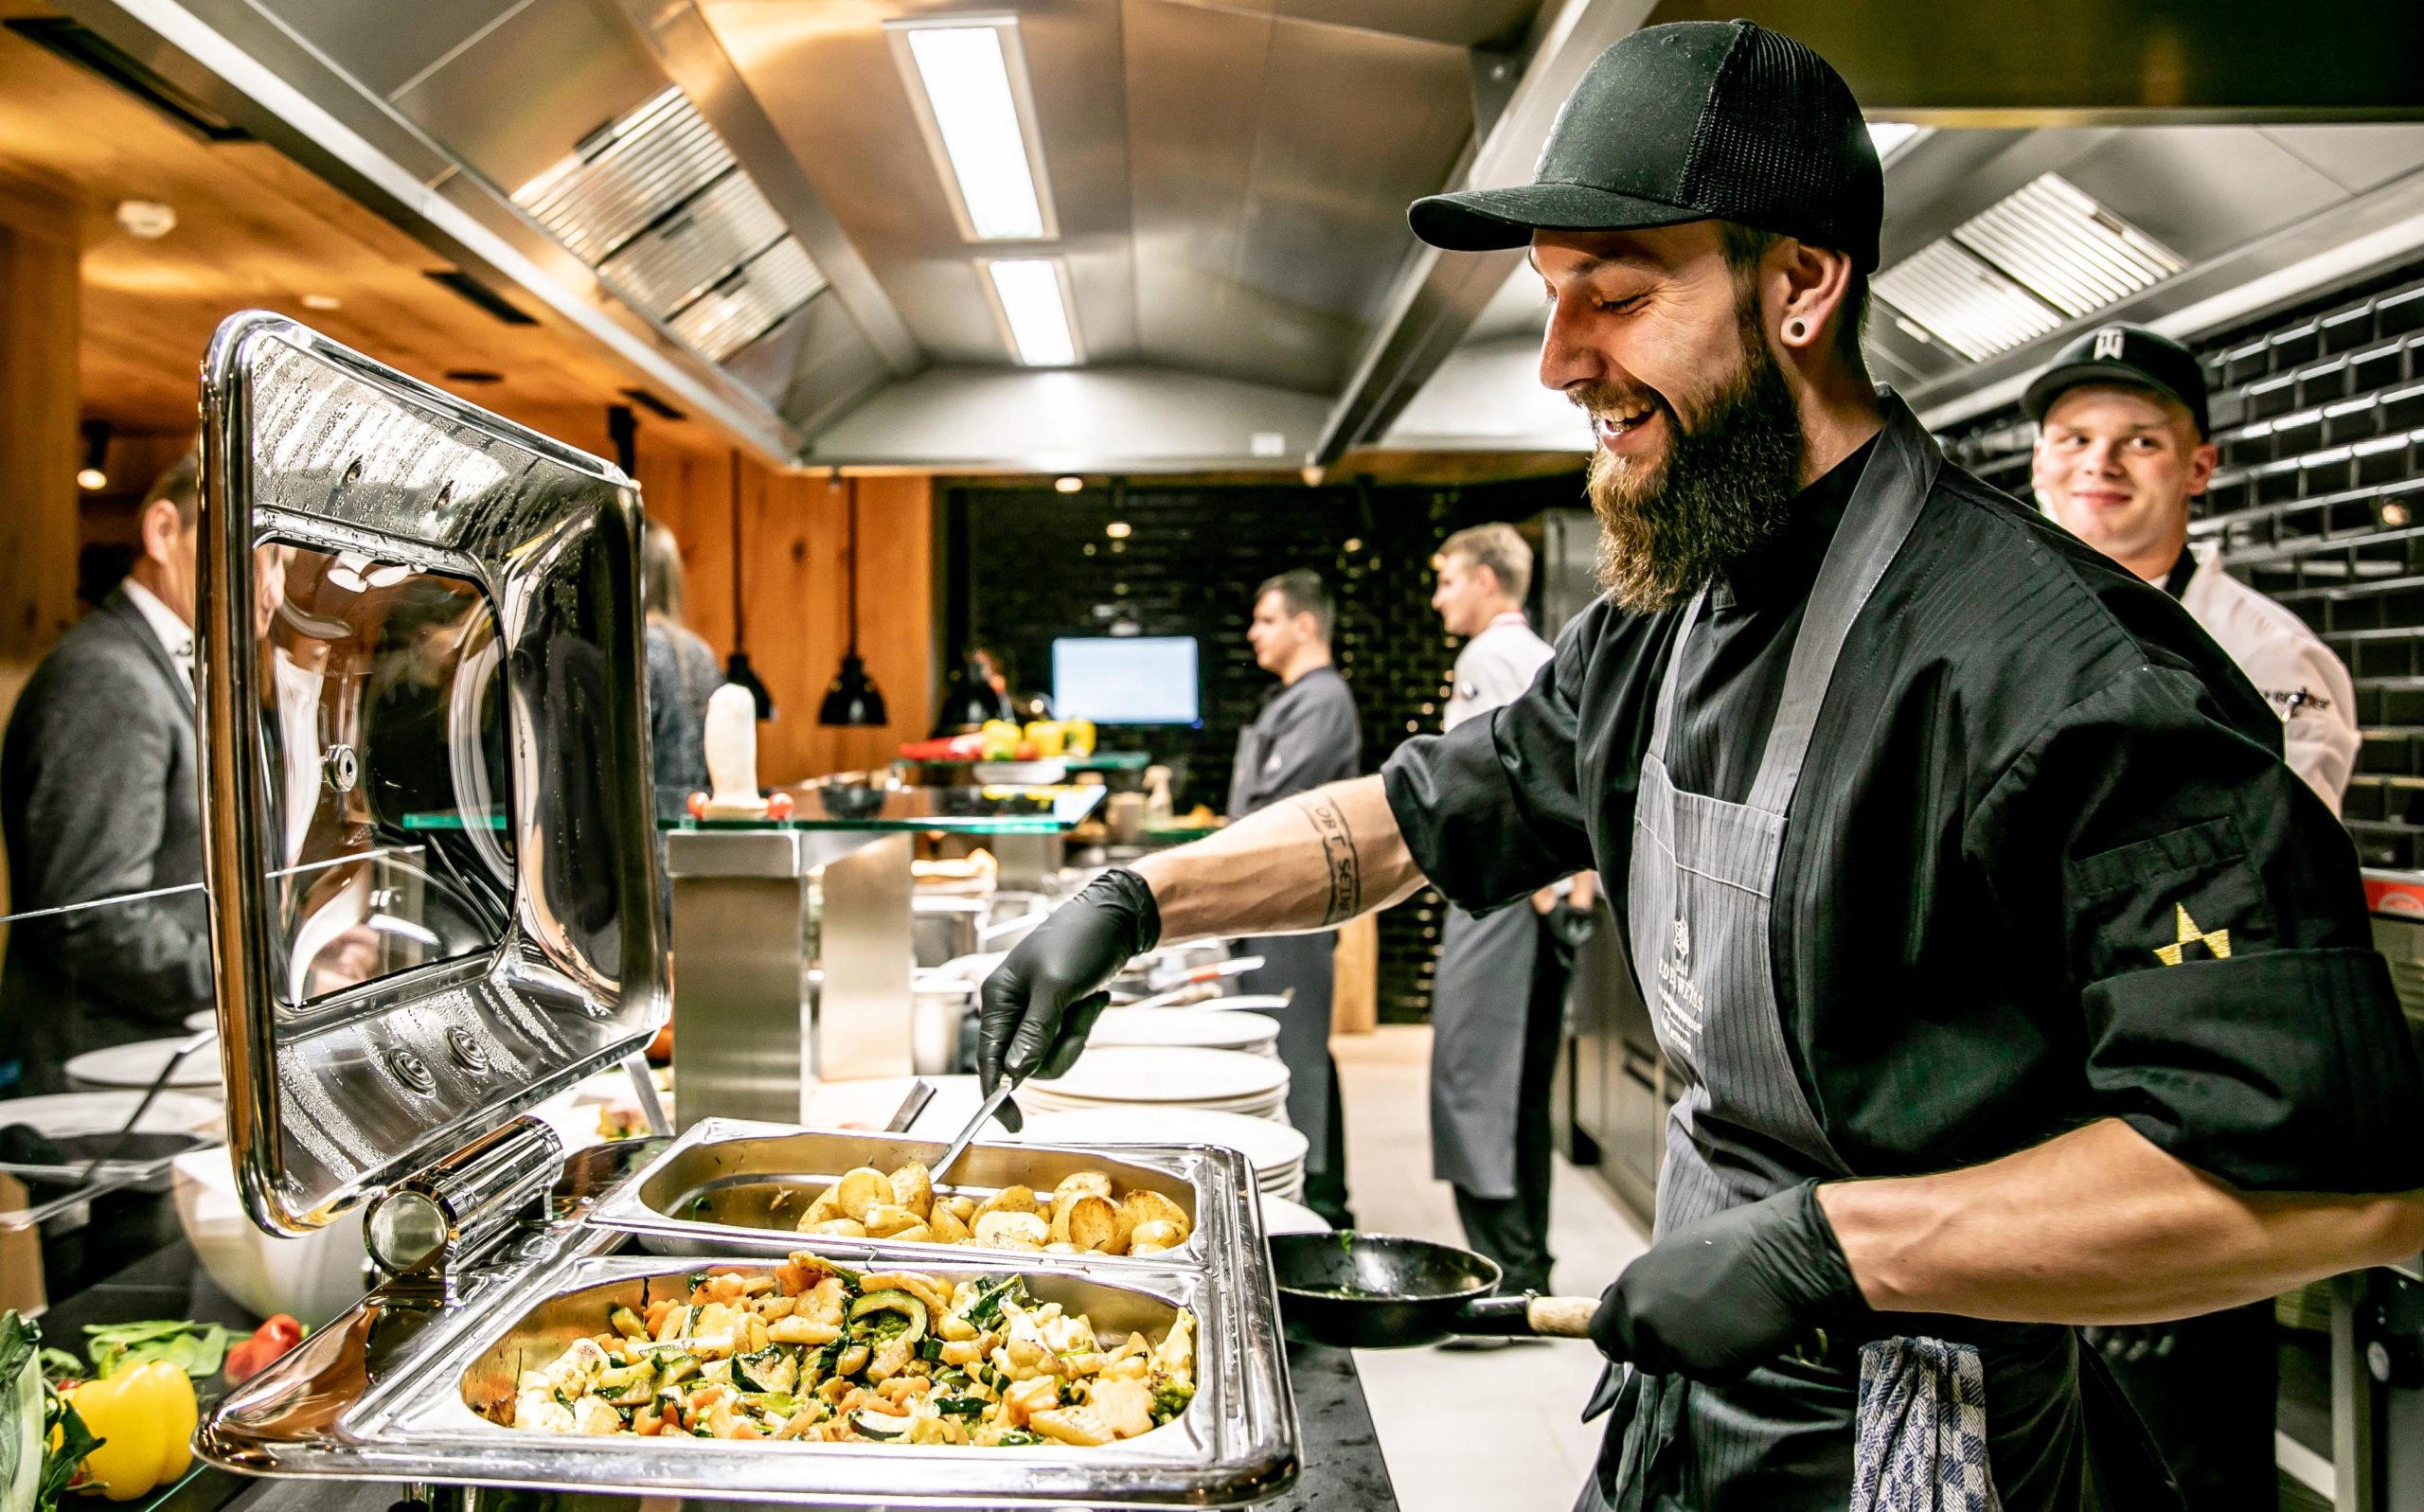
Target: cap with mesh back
column 1692, row 121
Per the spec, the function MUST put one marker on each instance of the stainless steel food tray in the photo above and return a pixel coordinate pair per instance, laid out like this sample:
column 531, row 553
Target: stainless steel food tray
column 385, row 1392
column 714, row 1187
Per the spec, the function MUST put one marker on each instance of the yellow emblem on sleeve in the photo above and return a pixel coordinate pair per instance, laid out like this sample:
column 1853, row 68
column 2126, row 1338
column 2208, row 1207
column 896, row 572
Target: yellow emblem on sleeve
column 2218, row 941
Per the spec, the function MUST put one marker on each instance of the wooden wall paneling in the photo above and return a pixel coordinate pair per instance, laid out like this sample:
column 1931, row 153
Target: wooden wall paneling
column 795, row 532
column 41, row 240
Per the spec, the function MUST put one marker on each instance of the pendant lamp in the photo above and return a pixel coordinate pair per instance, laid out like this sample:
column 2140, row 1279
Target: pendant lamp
column 853, row 699
column 737, row 670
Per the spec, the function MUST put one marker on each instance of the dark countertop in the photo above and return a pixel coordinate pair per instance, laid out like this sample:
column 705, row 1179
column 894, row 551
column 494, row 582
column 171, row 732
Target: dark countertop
column 1342, row 1469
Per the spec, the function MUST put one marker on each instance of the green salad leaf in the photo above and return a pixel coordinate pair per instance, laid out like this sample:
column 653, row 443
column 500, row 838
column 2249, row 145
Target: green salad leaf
column 195, row 1349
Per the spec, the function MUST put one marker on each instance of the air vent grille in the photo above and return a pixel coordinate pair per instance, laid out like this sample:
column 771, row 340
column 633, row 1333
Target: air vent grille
column 2062, row 247
column 626, row 174
column 657, row 205
column 674, row 261
column 748, row 303
column 2042, row 254
column 1963, row 302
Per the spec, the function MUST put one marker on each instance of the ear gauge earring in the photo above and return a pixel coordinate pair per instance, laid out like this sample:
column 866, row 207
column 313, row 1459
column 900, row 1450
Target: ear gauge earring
column 1797, row 329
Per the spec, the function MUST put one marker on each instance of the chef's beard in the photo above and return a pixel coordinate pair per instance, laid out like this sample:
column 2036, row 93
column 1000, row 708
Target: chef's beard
column 1723, row 486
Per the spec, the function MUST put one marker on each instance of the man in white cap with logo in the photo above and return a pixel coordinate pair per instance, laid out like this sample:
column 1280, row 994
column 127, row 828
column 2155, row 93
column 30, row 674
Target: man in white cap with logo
column 2011, row 981
column 2123, row 450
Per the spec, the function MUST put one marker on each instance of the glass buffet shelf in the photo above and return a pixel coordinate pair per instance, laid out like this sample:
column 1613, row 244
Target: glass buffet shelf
column 1100, row 761
column 959, row 810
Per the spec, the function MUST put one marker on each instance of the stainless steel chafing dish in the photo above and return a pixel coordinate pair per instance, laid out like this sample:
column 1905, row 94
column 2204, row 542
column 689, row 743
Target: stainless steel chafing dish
column 742, row 1186
column 435, row 904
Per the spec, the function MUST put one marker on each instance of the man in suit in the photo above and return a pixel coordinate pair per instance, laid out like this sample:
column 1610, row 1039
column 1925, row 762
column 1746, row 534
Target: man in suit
column 99, row 798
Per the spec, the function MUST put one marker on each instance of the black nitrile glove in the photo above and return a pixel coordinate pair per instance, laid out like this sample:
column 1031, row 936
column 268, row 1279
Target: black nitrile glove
column 1571, row 925
column 1040, row 1003
column 1733, row 1290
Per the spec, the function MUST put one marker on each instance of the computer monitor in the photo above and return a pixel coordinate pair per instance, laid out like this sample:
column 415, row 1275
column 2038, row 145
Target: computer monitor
column 1126, row 679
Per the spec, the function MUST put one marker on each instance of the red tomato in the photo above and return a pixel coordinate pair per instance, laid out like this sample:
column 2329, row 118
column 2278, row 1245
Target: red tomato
column 698, row 806
column 779, row 805
column 273, row 1339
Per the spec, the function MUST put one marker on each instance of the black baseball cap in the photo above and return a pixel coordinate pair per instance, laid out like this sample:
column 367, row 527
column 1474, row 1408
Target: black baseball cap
column 2125, row 357
column 1693, row 120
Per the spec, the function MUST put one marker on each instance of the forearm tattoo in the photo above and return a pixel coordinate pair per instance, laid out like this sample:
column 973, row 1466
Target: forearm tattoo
column 1343, row 865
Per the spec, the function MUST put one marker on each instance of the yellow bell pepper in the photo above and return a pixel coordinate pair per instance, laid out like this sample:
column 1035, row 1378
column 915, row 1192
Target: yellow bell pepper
column 1046, row 736
column 145, row 1414
column 1078, row 738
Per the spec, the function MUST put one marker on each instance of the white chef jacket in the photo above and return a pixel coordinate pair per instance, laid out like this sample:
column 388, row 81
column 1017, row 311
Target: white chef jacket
column 1495, row 667
column 2289, row 665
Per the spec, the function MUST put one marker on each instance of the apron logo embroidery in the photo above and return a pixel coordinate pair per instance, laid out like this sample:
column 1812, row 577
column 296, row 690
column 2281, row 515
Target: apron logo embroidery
column 2216, row 941
column 1680, row 1001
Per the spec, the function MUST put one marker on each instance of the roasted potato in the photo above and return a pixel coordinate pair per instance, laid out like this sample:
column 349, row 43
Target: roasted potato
column 914, row 1188
column 823, row 1210
column 946, row 1226
column 1145, row 1206
column 1090, row 1222
column 860, row 1191
column 841, row 1228
column 1077, row 1181
column 1154, row 1236
column 915, row 1234
column 1008, row 1199
column 963, row 1207
column 1003, row 1229
column 888, row 1220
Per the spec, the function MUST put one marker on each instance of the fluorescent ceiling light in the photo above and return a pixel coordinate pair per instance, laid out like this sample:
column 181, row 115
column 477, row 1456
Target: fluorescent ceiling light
column 2065, row 248
column 977, row 110
column 1035, row 308
column 1963, row 302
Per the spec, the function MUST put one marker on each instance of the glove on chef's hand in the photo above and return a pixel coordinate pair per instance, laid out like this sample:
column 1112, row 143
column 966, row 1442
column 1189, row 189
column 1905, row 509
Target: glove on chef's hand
column 1040, row 1003
column 1733, row 1290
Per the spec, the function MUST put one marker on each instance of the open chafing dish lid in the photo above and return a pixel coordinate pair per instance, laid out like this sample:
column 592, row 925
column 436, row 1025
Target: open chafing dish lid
column 431, row 835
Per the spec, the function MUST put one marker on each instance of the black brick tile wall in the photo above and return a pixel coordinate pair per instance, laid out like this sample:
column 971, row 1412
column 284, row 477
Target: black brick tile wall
column 1028, row 564
column 2318, row 413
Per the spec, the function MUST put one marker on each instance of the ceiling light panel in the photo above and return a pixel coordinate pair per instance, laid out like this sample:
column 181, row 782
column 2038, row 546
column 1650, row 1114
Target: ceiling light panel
column 1964, row 303
column 626, row 174
column 749, row 302
column 684, row 254
column 1033, row 300
column 967, row 82
column 2062, row 247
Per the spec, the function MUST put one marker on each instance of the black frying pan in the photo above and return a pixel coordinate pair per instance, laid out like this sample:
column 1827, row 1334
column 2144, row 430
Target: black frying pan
column 1378, row 1291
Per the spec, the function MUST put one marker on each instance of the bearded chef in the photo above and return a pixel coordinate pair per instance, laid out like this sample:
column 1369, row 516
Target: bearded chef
column 2012, row 981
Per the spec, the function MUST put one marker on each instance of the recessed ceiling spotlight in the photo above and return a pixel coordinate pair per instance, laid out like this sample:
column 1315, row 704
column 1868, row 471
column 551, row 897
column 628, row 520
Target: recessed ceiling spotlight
column 94, row 475
column 322, row 302
column 1116, row 530
column 146, row 220
column 1067, row 484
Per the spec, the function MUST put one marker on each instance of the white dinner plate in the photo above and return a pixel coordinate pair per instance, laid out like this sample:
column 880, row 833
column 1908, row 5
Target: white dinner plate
column 138, row 1065
column 1274, row 1150
column 63, row 1116
column 1207, row 1079
column 201, row 1019
column 1200, row 1027
column 1280, row 1216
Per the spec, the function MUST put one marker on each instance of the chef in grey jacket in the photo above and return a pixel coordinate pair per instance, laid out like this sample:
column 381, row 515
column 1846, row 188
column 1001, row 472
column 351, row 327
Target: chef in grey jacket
column 1498, row 1000
column 1304, row 736
column 99, row 798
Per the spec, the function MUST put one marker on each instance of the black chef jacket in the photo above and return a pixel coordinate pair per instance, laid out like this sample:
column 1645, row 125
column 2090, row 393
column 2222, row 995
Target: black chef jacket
column 2044, row 864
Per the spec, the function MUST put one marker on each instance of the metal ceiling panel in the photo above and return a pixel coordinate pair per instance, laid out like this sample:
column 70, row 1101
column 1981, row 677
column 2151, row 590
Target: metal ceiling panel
column 549, row 74
column 1963, row 302
column 857, row 140
column 2201, row 190
column 2065, row 248
column 2354, row 157
column 384, row 46
column 1495, row 23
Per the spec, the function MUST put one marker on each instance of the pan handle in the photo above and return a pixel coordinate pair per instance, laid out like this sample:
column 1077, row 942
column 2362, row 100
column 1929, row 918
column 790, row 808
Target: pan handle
column 1528, row 1315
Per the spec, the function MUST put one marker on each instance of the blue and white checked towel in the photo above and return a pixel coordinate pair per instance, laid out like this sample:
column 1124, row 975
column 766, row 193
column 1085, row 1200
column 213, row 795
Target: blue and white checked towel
column 1922, row 1430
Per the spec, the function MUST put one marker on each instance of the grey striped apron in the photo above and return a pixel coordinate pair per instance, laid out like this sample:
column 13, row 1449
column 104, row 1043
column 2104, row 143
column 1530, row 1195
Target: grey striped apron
column 1702, row 877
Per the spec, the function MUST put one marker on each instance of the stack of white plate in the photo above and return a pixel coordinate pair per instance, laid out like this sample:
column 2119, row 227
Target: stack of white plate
column 1222, row 1081
column 1200, row 1028
column 1276, row 1151
column 137, row 1066
column 1282, row 1215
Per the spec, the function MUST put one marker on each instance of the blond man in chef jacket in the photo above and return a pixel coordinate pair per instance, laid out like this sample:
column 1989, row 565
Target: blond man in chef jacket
column 2122, row 448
